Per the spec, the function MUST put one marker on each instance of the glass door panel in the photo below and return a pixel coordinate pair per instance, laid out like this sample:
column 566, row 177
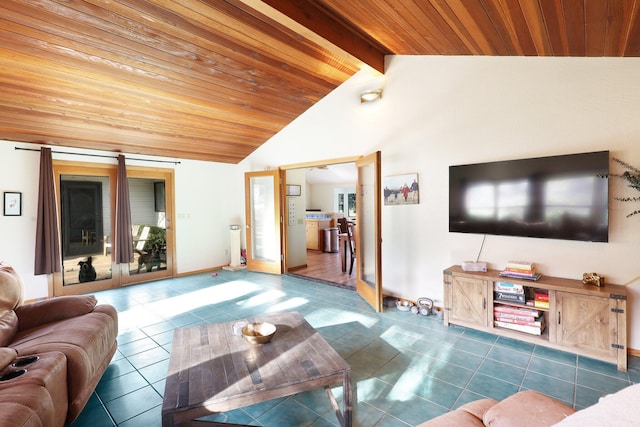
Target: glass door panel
column 86, row 201
column 262, row 199
column 368, row 235
column 85, row 217
column 148, row 220
column 151, row 196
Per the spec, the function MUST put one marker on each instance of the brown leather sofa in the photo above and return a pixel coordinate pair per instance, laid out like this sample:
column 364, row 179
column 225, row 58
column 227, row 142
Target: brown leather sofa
column 52, row 354
column 532, row 409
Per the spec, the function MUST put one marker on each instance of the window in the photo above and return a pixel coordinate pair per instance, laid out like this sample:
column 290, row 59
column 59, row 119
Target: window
column 352, row 204
column 341, row 202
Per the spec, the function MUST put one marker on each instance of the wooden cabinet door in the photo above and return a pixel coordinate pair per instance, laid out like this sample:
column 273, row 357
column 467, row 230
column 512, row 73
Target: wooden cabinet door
column 585, row 322
column 468, row 304
column 312, row 235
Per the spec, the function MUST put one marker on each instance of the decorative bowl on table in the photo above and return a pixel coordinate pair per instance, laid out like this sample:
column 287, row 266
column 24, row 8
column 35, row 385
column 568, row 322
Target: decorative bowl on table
column 259, row 333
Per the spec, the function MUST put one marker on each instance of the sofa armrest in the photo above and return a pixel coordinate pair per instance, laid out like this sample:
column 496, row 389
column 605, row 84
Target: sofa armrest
column 52, row 310
column 527, row 409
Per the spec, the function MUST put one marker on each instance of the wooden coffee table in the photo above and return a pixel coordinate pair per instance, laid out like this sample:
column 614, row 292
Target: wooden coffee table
column 212, row 370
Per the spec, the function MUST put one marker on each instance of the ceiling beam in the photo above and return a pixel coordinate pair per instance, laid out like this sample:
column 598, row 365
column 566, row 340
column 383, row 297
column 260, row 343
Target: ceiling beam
column 316, row 24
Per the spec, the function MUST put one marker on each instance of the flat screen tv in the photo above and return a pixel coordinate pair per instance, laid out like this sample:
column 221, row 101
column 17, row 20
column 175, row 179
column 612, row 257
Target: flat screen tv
column 558, row 197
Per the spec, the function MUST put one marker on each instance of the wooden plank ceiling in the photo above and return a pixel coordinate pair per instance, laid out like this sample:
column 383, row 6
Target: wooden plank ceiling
column 213, row 80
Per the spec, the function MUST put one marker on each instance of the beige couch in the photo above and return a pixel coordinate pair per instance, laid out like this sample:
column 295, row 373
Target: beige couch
column 74, row 340
column 532, row 409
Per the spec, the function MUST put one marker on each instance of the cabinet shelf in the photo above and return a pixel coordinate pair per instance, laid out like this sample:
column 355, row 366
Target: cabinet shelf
column 586, row 320
column 515, row 304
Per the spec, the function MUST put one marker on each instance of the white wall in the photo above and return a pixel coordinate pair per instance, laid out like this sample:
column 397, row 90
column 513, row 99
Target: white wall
column 324, row 196
column 209, row 197
column 19, row 172
column 296, row 232
column 440, row 111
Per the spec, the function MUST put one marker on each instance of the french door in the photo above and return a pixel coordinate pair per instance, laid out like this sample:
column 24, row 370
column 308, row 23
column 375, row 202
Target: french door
column 86, row 195
column 368, row 230
column 264, row 221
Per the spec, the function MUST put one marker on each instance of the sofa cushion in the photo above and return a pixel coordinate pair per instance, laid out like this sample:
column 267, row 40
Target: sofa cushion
column 527, row 409
column 478, row 408
column 454, row 419
column 8, row 327
column 467, row 415
column 11, row 288
column 616, row 409
column 52, row 310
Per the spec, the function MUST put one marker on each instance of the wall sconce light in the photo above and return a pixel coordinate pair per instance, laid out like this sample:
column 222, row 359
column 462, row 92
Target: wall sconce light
column 370, row 95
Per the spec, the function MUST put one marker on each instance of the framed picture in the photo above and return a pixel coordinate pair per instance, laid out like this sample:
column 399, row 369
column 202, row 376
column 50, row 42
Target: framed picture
column 401, row 189
column 12, row 203
column 293, row 190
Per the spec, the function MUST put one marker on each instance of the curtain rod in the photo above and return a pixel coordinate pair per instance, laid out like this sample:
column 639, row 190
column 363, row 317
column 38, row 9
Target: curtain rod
column 99, row 155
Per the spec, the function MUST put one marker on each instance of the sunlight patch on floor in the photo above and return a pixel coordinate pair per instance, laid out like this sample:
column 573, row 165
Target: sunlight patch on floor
column 329, row 317
column 289, row 304
column 211, row 295
column 262, row 298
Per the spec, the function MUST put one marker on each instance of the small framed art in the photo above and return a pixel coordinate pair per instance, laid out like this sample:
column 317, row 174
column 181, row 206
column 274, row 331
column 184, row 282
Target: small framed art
column 12, row 203
column 293, row 190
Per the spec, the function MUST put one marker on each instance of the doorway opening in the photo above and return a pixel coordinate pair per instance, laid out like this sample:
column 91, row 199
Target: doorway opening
column 328, row 193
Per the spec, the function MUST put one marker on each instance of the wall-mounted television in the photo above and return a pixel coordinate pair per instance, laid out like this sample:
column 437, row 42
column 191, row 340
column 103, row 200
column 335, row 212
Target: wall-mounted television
column 557, row 197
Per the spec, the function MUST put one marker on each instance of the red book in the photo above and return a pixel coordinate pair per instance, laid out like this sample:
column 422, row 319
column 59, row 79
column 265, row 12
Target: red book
column 538, row 296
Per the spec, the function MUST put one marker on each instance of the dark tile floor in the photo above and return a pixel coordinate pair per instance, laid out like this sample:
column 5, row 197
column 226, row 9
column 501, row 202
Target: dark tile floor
column 408, row 368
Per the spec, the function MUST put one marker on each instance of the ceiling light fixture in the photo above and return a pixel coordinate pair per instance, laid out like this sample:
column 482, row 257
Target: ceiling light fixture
column 370, row 95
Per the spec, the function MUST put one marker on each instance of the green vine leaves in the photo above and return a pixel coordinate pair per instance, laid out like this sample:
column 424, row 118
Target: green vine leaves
column 632, row 177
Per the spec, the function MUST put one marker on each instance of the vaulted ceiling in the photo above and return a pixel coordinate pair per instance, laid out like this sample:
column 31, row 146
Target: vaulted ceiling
column 213, row 80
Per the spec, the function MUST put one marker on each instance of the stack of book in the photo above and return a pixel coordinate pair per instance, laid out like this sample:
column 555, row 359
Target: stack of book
column 508, row 292
column 540, row 298
column 528, row 320
column 520, row 270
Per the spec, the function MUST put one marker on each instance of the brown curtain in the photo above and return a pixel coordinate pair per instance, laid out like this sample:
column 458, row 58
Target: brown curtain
column 47, row 259
column 123, row 244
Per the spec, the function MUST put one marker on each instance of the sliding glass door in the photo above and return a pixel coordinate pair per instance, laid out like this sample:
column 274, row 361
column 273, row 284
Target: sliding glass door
column 86, row 193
